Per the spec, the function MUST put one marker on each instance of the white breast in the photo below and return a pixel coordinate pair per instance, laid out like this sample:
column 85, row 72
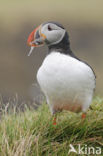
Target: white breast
column 66, row 82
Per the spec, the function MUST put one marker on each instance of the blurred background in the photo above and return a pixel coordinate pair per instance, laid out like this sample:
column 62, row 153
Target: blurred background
column 83, row 19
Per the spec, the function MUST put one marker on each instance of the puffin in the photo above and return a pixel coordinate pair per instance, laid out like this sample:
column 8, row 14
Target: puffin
column 67, row 82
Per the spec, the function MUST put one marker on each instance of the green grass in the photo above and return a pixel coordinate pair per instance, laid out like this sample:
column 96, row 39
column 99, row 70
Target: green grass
column 31, row 133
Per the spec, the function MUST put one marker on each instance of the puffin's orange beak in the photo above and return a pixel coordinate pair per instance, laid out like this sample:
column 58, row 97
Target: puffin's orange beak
column 36, row 38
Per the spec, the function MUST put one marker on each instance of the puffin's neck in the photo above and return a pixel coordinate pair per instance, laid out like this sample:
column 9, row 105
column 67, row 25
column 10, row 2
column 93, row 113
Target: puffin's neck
column 62, row 47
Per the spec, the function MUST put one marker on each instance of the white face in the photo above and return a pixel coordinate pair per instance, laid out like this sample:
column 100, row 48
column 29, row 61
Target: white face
column 54, row 34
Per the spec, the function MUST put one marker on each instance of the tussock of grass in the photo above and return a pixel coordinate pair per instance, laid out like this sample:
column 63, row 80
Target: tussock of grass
column 32, row 133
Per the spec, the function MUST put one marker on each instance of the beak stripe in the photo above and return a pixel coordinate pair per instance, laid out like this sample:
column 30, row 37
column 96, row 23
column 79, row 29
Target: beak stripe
column 41, row 34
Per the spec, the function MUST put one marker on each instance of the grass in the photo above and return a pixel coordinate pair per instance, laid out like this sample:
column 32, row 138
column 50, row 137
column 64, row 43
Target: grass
column 31, row 133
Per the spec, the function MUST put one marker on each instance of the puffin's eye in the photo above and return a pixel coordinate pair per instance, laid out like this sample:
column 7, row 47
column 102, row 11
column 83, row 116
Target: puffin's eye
column 49, row 28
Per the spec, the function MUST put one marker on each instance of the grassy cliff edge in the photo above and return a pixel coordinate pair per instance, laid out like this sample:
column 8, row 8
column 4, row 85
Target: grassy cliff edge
column 31, row 133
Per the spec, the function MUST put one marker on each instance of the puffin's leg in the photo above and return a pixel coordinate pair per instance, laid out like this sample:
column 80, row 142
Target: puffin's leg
column 54, row 117
column 55, row 113
column 54, row 121
column 83, row 115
